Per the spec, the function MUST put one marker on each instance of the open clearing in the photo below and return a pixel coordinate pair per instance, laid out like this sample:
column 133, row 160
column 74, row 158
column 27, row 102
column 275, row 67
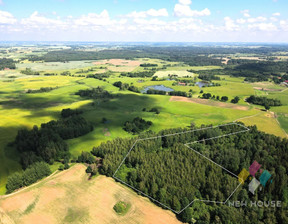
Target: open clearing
column 54, row 66
column 119, row 65
column 265, row 122
column 162, row 74
column 68, row 197
column 209, row 102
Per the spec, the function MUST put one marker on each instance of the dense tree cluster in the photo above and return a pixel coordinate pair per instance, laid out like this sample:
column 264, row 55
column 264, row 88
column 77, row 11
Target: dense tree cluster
column 86, row 157
column 29, row 71
column 143, row 74
column 137, row 125
column 172, row 174
column 33, row 173
column 41, row 90
column 100, row 76
column 126, row 86
column 7, row 63
column 264, row 101
column 69, row 112
column 95, row 93
column 178, row 93
column 213, row 97
column 70, row 127
column 235, row 99
column 279, row 79
column 47, row 143
column 208, row 77
column 155, row 91
column 148, row 65
column 155, row 109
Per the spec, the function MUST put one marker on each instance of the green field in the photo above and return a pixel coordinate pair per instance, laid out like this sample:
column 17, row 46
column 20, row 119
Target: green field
column 283, row 119
column 21, row 110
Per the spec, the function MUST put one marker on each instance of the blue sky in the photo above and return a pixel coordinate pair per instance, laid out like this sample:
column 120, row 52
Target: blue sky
column 145, row 20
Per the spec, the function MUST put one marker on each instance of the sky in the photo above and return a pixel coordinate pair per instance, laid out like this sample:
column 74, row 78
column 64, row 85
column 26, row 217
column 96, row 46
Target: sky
column 144, row 20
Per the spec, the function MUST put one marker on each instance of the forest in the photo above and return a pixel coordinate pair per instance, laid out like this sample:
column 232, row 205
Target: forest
column 47, row 143
column 161, row 167
column 187, row 54
column 7, row 63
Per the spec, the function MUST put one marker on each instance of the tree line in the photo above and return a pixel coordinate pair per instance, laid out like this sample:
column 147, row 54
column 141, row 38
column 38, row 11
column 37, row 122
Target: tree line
column 223, row 98
column 143, row 74
column 263, row 101
column 41, row 90
column 32, row 174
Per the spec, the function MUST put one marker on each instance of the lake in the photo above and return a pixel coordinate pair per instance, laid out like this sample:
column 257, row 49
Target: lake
column 201, row 84
column 157, row 87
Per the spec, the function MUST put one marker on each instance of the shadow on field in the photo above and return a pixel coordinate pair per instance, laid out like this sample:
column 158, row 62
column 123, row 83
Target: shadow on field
column 27, row 102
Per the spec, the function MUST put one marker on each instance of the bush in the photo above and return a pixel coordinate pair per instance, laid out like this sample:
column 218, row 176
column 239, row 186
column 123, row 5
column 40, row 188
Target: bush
column 121, row 208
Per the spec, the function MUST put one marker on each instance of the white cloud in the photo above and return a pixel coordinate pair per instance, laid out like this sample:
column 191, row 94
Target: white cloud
column 284, row 25
column 276, row 14
column 181, row 10
column 185, row 2
column 160, row 12
column 241, row 21
column 245, row 13
column 101, row 19
column 257, row 19
column 38, row 21
column 230, row 24
column 263, row 27
column 7, row 18
column 273, row 19
column 149, row 22
column 150, row 12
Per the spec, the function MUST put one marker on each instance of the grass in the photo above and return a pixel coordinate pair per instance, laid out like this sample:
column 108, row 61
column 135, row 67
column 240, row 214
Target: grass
column 55, row 66
column 265, row 122
column 30, row 207
column 121, row 207
column 20, row 110
column 283, row 120
column 75, row 215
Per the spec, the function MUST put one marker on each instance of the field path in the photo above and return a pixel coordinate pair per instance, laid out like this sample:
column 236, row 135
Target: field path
column 248, row 117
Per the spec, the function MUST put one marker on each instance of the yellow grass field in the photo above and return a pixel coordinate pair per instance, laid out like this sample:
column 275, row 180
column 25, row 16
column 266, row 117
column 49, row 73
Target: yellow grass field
column 162, row 74
column 69, row 197
column 265, row 121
